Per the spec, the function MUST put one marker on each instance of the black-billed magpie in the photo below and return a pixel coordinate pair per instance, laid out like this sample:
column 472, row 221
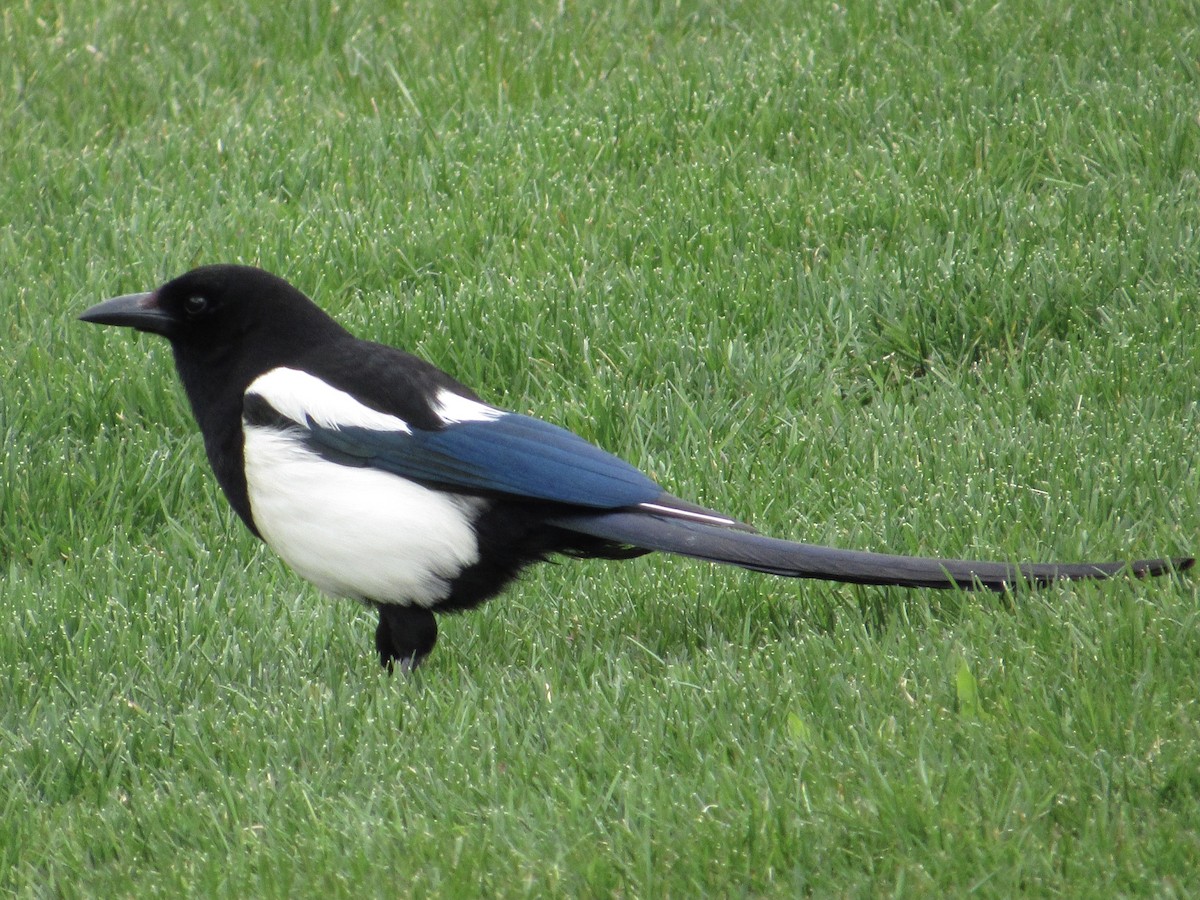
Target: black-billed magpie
column 379, row 477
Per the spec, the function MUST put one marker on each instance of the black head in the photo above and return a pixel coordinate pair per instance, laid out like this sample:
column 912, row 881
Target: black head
column 227, row 325
column 221, row 307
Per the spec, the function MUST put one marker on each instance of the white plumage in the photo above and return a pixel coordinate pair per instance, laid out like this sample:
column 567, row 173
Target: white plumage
column 300, row 396
column 353, row 532
column 694, row 515
column 454, row 409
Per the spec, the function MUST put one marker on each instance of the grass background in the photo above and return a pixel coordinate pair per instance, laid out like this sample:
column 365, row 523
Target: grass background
column 911, row 276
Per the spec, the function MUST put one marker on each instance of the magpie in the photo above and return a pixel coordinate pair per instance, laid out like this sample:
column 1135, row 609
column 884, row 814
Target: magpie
column 377, row 476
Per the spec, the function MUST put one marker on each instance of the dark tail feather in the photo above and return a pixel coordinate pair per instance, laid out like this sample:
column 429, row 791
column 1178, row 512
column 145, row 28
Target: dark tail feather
column 794, row 560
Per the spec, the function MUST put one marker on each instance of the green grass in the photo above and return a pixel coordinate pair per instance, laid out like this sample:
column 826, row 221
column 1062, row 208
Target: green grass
column 913, row 276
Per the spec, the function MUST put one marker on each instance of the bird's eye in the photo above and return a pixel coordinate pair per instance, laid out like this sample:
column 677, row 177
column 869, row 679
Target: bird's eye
column 195, row 305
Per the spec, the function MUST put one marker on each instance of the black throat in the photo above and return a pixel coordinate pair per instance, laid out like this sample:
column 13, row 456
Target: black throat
column 215, row 383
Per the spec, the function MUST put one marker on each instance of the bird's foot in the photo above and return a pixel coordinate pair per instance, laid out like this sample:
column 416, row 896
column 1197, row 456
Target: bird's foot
column 404, row 637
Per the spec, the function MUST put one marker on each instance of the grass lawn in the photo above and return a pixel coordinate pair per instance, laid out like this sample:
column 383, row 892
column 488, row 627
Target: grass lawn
column 916, row 277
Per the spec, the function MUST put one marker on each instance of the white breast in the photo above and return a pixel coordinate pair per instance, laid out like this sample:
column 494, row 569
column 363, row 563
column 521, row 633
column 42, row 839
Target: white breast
column 356, row 532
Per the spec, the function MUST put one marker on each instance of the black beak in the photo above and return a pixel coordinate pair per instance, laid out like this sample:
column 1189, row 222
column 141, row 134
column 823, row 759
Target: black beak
column 140, row 311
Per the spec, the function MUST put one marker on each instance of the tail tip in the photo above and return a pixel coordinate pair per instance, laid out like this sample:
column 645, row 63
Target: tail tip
column 1151, row 567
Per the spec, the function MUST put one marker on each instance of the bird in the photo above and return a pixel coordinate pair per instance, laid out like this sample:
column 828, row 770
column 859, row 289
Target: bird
column 377, row 476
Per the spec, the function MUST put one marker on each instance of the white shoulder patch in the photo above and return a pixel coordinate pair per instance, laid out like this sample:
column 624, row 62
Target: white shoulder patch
column 454, row 409
column 301, row 396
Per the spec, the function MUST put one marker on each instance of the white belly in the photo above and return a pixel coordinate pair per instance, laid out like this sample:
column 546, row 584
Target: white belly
column 357, row 532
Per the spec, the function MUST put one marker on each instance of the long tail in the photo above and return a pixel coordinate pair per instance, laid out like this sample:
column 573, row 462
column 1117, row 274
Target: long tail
column 735, row 546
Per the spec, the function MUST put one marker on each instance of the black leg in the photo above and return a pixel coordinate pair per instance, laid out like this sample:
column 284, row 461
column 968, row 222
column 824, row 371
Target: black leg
column 405, row 635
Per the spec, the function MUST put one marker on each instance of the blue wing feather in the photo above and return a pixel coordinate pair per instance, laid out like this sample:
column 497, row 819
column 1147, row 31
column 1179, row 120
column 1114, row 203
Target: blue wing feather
column 512, row 454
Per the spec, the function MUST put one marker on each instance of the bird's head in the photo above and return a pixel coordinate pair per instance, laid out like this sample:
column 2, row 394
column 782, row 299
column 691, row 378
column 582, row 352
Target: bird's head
column 228, row 325
column 218, row 306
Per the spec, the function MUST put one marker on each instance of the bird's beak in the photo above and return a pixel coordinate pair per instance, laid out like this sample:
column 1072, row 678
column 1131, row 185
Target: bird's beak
column 140, row 311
